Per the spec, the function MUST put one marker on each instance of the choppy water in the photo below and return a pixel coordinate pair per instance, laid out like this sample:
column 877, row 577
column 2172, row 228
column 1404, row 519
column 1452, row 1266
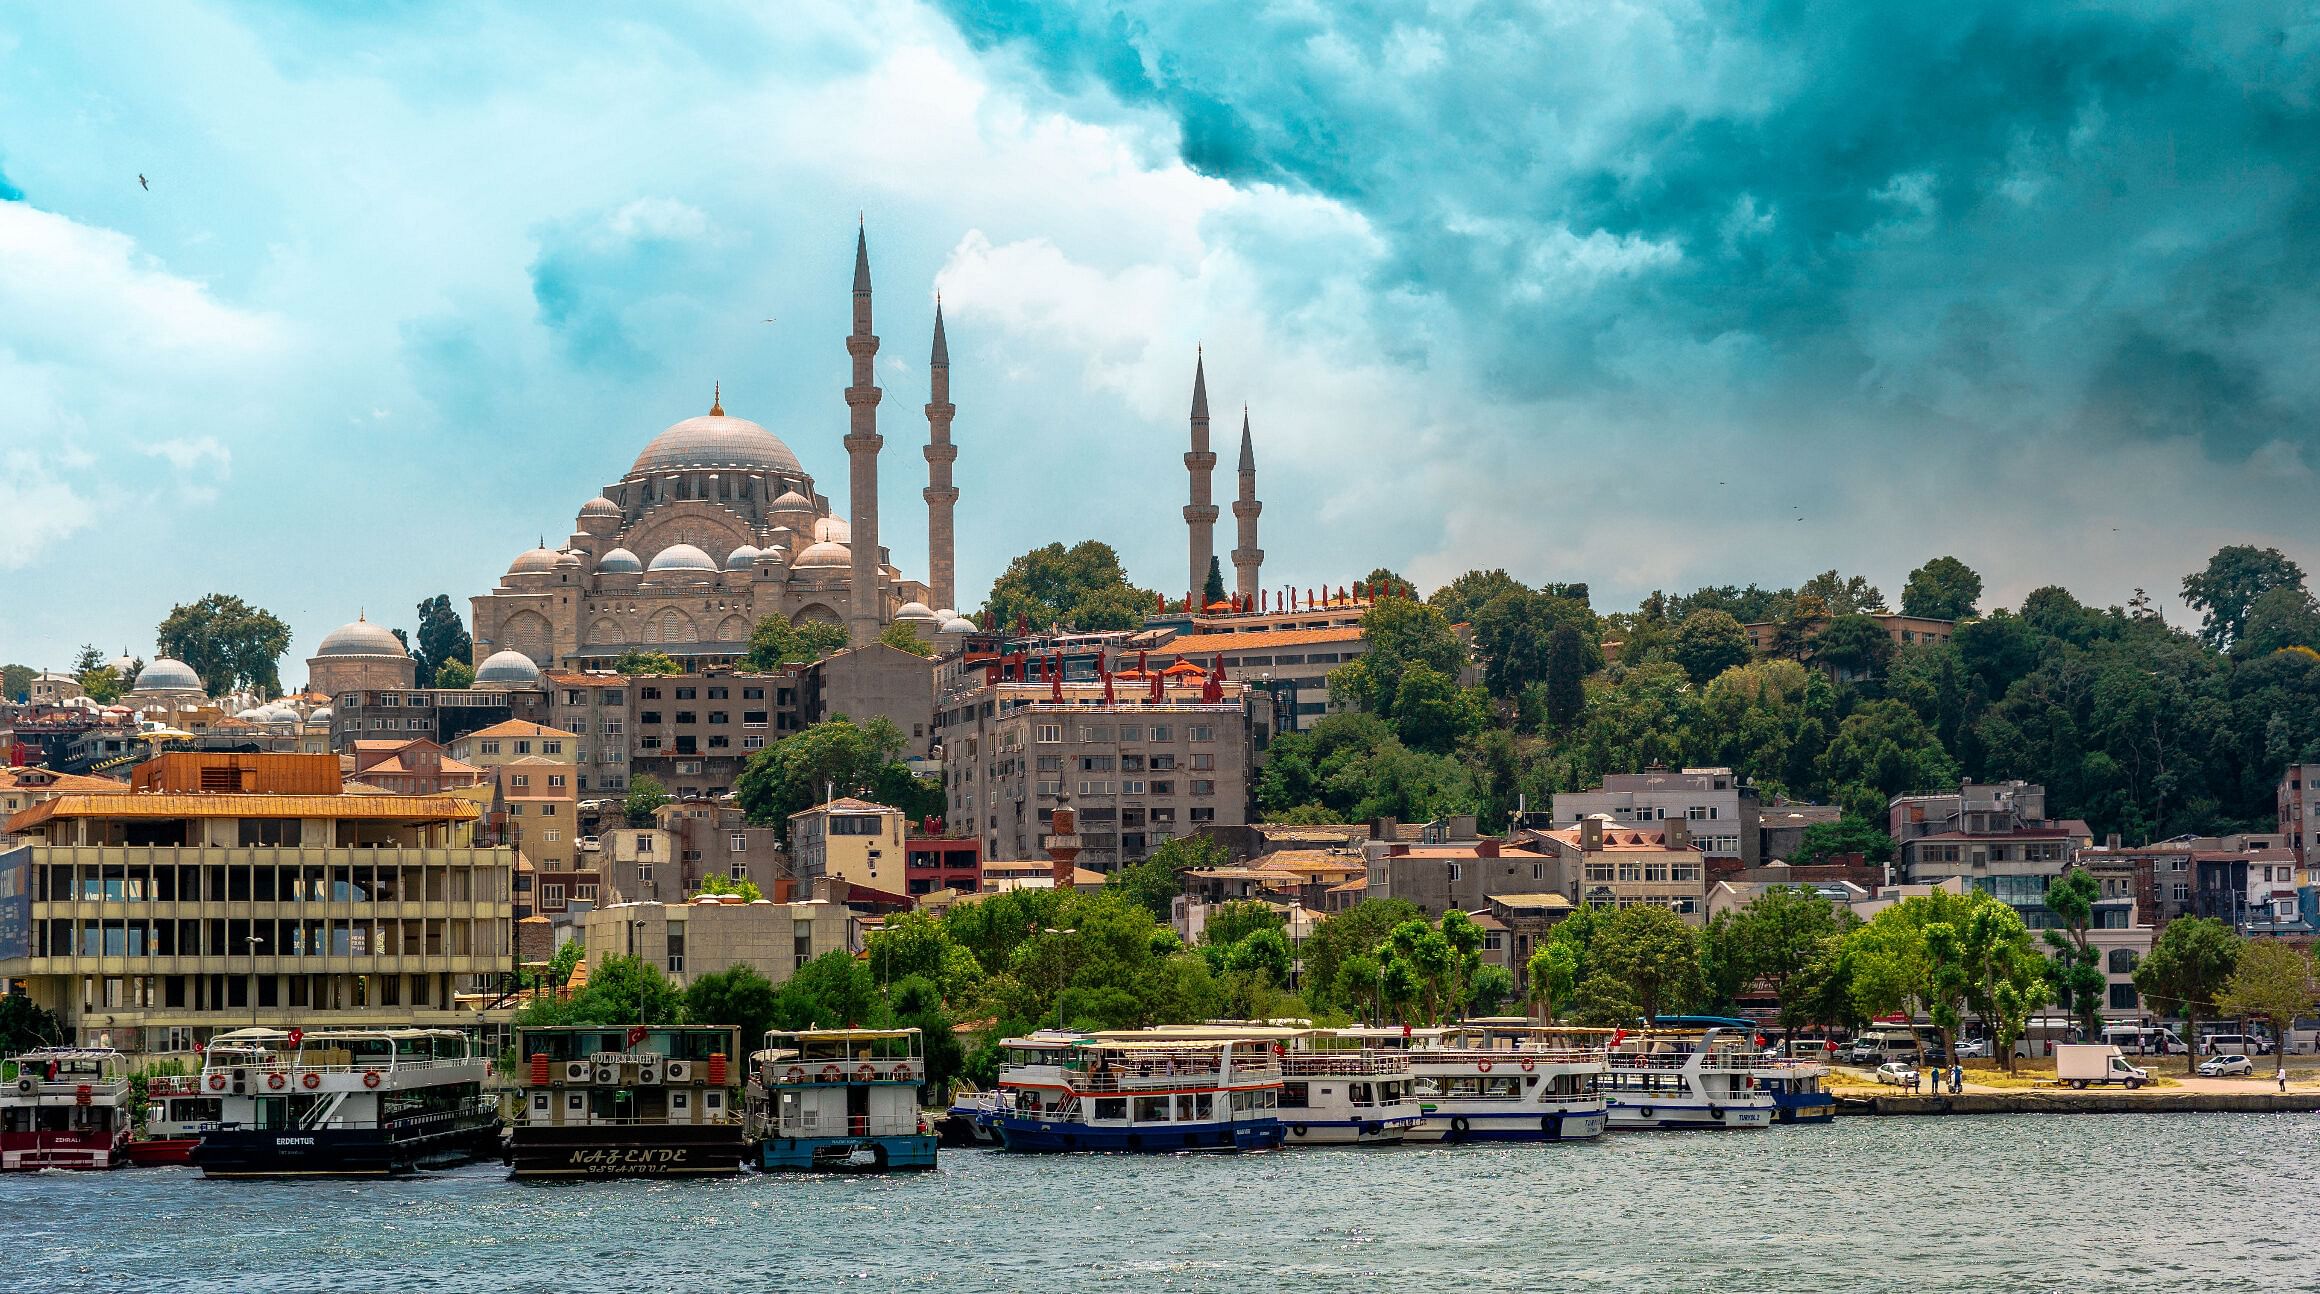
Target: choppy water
column 2024, row 1203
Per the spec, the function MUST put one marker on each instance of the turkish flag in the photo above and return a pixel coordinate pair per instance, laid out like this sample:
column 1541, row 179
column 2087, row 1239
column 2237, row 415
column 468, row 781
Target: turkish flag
column 1829, row 1044
column 1618, row 1036
column 636, row 1034
column 297, row 1036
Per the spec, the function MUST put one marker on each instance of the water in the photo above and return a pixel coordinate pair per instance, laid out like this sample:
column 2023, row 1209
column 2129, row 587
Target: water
column 2081, row 1202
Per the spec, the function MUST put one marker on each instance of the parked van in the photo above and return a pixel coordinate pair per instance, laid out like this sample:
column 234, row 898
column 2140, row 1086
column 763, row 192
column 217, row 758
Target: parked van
column 2143, row 1040
column 2080, row 1063
column 2236, row 1044
column 1880, row 1043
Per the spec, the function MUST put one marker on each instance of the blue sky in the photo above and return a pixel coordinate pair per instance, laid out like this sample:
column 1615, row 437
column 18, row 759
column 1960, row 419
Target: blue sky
column 1610, row 291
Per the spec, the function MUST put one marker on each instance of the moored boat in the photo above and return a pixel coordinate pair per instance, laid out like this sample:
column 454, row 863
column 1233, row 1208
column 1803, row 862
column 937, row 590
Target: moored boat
column 1502, row 1080
column 967, row 1123
column 626, row 1101
column 839, row 1100
column 177, row 1112
column 344, row 1103
column 1688, row 1078
column 1061, row 1091
column 65, row 1107
column 1799, row 1091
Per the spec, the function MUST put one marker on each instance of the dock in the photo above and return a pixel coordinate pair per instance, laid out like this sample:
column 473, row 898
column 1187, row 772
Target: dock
column 2064, row 1101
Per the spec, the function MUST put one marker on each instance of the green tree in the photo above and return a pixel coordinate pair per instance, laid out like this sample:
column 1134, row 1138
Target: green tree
column 454, row 674
column 1428, row 710
column 647, row 663
column 1514, row 634
column 645, row 794
column 1653, row 955
column 2078, row 974
column 1783, row 930
column 16, row 681
column 103, row 684
column 1884, row 746
column 1492, row 989
column 1083, row 587
column 25, row 1024
column 719, row 883
column 1842, row 595
column 1462, row 599
column 2272, row 983
column 2226, row 591
column 1153, row 882
column 228, row 642
column 802, row 769
column 1727, row 961
column 1340, row 938
column 776, row 642
column 834, row 990
column 1232, row 922
column 913, row 945
column 1708, row 643
column 1566, row 691
column 2279, row 619
column 1212, row 592
column 738, row 996
column 1399, row 633
column 442, row 639
column 2189, row 967
column 567, row 956
column 1550, row 977
column 1855, row 644
column 905, row 638
column 1850, row 834
column 1942, row 589
column 622, row 990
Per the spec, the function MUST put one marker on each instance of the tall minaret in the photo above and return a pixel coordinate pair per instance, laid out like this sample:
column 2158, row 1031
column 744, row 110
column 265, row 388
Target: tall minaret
column 1200, row 514
column 1248, row 557
column 865, row 600
column 940, row 454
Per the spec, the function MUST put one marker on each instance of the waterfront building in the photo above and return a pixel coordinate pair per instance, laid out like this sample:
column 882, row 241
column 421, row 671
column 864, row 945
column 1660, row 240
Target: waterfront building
column 1995, row 835
column 439, row 715
column 359, row 656
column 1718, row 810
column 715, row 527
column 710, row 934
column 232, row 889
column 1604, row 864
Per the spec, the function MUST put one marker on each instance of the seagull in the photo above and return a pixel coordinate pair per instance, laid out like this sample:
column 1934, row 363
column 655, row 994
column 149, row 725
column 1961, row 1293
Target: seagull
column 143, row 185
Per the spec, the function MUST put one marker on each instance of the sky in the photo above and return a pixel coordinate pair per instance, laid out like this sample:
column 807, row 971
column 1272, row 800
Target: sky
column 1645, row 294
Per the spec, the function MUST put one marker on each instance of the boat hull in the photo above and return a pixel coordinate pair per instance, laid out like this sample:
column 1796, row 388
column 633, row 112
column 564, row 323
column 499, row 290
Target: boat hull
column 1682, row 1115
column 1819, row 1108
column 1034, row 1136
column 647, row 1150
column 1346, row 1132
column 1458, row 1126
column 345, row 1152
column 155, row 1151
column 846, row 1154
column 30, row 1152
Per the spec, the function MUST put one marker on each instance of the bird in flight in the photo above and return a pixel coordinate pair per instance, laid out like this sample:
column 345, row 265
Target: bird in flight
column 143, row 185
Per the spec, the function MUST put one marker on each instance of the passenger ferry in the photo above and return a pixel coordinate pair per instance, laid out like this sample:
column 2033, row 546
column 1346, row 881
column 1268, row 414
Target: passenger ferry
column 1681, row 1078
column 839, row 1100
column 65, row 1107
column 177, row 1113
column 1138, row 1091
column 344, row 1103
column 1799, row 1091
column 1335, row 1091
column 1502, row 1080
column 626, row 1101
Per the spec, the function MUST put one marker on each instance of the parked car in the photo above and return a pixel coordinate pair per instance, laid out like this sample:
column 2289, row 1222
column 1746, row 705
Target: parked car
column 2226, row 1067
column 1900, row 1073
column 1974, row 1049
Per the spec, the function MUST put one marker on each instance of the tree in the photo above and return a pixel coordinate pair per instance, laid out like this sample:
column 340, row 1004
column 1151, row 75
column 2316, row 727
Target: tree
column 2272, row 983
column 719, row 883
column 2078, row 974
column 1492, row 989
column 1855, row 644
column 647, row 664
column 560, row 966
column 802, row 769
column 1399, row 633
column 645, row 794
column 1229, row 923
column 1463, row 598
column 1083, row 587
column 1782, row 930
column 1153, row 882
column 454, row 674
column 1212, row 592
column 623, row 990
column 1566, row 678
column 776, row 642
column 2227, row 590
column 1651, row 953
column 1942, row 589
column 442, row 639
column 1727, row 961
column 913, row 945
column 738, row 996
column 103, row 684
column 229, row 643
column 1708, row 643
column 1850, row 834
column 833, row 991
column 1842, row 596
column 16, row 681
column 1514, row 634
column 1884, row 746
column 2189, row 967
column 2281, row 618
column 905, row 638
column 1550, row 977
column 1340, row 938
column 25, row 1024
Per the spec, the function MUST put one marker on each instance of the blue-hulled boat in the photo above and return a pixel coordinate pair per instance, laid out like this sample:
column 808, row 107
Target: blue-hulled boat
column 1138, row 1092
column 839, row 1100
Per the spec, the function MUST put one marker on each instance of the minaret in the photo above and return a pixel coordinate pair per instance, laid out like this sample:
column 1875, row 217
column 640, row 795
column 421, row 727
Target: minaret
column 1200, row 514
column 865, row 600
column 940, row 454
column 1248, row 557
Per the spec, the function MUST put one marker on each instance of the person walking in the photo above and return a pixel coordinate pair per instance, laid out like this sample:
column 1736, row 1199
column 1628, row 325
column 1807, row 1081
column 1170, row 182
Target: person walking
column 1957, row 1078
column 2282, row 1074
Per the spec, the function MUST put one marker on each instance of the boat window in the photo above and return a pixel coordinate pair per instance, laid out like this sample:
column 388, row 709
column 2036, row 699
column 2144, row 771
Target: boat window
column 1204, row 1106
column 1151, row 1109
column 1111, row 1107
column 539, row 1100
column 1295, row 1095
column 716, row 1099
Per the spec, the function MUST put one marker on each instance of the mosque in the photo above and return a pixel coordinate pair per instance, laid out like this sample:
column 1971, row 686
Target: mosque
column 717, row 526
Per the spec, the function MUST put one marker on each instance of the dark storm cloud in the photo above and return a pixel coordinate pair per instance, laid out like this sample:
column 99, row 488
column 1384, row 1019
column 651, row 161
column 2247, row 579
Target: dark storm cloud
column 2030, row 216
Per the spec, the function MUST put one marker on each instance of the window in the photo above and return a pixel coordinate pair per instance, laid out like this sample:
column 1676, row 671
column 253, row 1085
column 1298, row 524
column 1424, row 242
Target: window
column 648, row 694
column 720, row 742
column 738, row 843
column 687, row 693
column 1131, row 732
column 491, row 748
column 2123, row 997
column 1163, row 763
column 688, row 716
column 1132, row 786
column 753, row 718
column 1203, row 815
column 753, row 742
column 1199, row 732
column 753, row 694
column 2122, row 961
column 1204, row 786
column 1204, row 763
column 649, row 716
column 1095, row 763
column 1050, row 763
column 1161, row 732
column 1047, row 732
column 718, row 716
column 719, row 693
column 523, row 748
column 521, row 780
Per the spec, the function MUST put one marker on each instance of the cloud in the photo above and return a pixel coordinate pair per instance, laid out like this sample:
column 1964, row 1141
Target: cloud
column 74, row 292
column 187, row 454
column 42, row 509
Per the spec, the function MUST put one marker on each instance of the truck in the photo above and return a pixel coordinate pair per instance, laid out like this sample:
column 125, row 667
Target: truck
column 2081, row 1063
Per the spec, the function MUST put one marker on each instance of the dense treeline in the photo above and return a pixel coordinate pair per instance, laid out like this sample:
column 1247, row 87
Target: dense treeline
column 2135, row 725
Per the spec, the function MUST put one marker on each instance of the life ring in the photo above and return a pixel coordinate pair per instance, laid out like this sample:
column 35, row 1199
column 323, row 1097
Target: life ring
column 831, row 1073
column 902, row 1073
column 370, row 1078
column 276, row 1080
column 217, row 1082
column 1482, row 1066
column 310, row 1080
column 797, row 1074
column 1529, row 1064
column 866, row 1074
column 1458, row 1126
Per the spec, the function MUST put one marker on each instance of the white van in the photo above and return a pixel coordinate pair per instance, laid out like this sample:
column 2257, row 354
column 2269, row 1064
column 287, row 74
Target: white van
column 2143, row 1040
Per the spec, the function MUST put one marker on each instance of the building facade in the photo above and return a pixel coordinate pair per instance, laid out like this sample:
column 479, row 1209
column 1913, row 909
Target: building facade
column 689, row 940
column 2299, row 810
column 1720, row 814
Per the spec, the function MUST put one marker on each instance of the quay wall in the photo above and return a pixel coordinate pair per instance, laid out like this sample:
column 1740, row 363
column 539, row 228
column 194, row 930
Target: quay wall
column 2089, row 1102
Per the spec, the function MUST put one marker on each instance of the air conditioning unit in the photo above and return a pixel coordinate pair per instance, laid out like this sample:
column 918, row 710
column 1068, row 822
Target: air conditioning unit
column 648, row 1074
column 608, row 1075
column 575, row 1071
column 678, row 1071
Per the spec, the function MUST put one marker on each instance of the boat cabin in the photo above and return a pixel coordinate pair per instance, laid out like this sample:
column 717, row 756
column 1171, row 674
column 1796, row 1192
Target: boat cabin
column 587, row 1075
column 64, row 1107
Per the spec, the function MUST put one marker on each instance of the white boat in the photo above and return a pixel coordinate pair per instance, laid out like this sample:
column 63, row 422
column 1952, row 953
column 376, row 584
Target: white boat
column 1142, row 1091
column 1501, row 1080
column 1337, row 1092
column 344, row 1103
column 1689, row 1078
column 65, row 1107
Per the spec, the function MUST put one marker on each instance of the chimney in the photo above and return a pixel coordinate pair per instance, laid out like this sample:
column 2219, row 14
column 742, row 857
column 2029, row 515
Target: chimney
column 1590, row 834
column 1382, row 828
column 1677, row 834
column 2113, row 842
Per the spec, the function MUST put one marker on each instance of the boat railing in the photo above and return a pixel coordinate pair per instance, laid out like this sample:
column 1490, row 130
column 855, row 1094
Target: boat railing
column 1508, row 1059
column 800, row 1072
column 1380, row 1064
column 161, row 1085
column 807, row 1123
column 1163, row 1079
column 381, row 1064
column 1729, row 1061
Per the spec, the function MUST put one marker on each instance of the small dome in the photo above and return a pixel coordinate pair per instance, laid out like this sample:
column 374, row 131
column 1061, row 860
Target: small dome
column 946, row 613
column 360, row 638
column 681, row 557
column 824, row 554
column 125, row 666
column 568, row 560
column 537, row 559
column 832, row 530
column 600, row 507
column 508, row 667
column 792, row 501
column 619, row 561
column 740, row 558
column 319, row 716
column 166, row 675
column 914, row 611
column 957, row 625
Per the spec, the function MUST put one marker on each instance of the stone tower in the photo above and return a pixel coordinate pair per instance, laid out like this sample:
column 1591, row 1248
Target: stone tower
column 1247, row 558
column 940, row 454
column 1200, row 514
column 866, row 601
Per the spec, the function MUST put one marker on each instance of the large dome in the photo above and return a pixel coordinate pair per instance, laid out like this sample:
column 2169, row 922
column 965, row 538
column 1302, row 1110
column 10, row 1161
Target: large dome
column 715, row 440
column 166, row 675
column 362, row 638
column 682, row 557
column 508, row 667
column 533, row 560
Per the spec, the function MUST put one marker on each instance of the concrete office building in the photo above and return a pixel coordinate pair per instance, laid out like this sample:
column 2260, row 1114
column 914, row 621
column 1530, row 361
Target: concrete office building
column 1720, row 813
column 689, row 940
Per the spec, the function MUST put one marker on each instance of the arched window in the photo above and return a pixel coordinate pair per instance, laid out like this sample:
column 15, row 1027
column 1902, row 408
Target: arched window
column 2122, row 961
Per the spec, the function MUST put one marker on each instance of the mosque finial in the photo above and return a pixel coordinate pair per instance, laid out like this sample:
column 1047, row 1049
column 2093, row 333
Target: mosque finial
column 717, row 400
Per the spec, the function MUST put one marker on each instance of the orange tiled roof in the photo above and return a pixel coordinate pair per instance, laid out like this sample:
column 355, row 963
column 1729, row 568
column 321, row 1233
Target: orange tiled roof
column 401, row 808
column 19, row 779
column 1260, row 638
column 1310, row 860
column 518, row 728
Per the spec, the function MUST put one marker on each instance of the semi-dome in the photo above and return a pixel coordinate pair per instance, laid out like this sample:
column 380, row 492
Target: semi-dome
column 681, row 557
column 536, row 559
column 740, row 558
column 913, row 611
column 166, row 675
column 619, row 561
column 360, row 638
column 508, row 667
column 715, row 440
column 824, row 554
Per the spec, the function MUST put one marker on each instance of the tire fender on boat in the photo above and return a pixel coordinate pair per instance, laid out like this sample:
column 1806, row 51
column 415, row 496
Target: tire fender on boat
column 1716, row 1112
column 1552, row 1125
column 1643, row 1111
column 1458, row 1126
column 1296, row 1129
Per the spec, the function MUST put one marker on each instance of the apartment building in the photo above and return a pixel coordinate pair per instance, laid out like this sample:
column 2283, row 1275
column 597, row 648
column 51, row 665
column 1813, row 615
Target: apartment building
column 1721, row 814
column 1994, row 836
column 876, row 681
column 689, row 940
column 231, row 889
column 1461, row 875
column 2299, row 810
column 932, row 863
column 1604, row 864
column 854, row 840
column 439, row 715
